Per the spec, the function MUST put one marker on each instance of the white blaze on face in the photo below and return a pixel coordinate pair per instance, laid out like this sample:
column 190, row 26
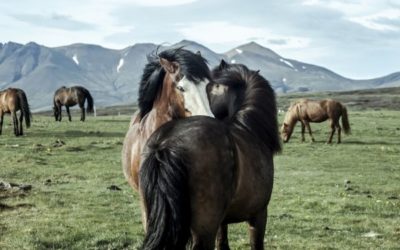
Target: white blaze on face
column 195, row 97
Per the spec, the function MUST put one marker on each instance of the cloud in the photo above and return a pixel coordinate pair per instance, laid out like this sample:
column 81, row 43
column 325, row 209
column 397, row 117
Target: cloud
column 54, row 20
column 387, row 20
column 221, row 32
column 148, row 3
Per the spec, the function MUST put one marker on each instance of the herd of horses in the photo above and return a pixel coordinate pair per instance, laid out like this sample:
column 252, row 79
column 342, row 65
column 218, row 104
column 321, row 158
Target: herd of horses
column 200, row 148
column 13, row 100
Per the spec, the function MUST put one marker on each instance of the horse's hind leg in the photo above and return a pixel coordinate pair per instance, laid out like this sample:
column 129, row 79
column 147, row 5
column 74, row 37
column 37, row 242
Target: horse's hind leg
column 59, row 113
column 1, row 121
column 204, row 242
column 222, row 238
column 15, row 122
column 21, row 119
column 307, row 124
column 303, row 130
column 69, row 114
column 333, row 128
column 82, row 113
column 257, row 230
column 339, row 128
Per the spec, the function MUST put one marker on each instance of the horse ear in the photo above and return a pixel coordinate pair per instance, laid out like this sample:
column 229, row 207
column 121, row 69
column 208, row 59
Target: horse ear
column 170, row 67
column 257, row 71
column 223, row 64
column 198, row 53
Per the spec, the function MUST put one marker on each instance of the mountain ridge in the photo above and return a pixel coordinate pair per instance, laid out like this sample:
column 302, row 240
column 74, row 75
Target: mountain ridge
column 112, row 75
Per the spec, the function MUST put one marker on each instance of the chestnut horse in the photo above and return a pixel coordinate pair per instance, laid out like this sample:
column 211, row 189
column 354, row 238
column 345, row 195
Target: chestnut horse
column 199, row 174
column 69, row 97
column 307, row 111
column 12, row 100
column 173, row 86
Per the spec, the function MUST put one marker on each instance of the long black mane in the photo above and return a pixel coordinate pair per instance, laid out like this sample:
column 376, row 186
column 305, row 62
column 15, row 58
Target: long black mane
column 192, row 65
column 255, row 103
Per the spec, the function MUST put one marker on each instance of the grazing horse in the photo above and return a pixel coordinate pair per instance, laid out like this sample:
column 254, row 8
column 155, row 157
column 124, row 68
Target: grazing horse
column 173, row 86
column 69, row 97
column 199, row 174
column 307, row 111
column 12, row 100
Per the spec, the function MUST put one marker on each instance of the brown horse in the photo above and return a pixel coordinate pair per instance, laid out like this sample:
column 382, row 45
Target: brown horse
column 199, row 174
column 12, row 100
column 69, row 97
column 307, row 111
column 173, row 86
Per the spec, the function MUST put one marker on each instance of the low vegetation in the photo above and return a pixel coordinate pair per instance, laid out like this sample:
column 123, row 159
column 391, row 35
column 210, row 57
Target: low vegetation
column 325, row 196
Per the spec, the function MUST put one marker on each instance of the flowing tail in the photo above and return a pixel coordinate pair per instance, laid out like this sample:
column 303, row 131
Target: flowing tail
column 89, row 99
column 164, row 190
column 25, row 108
column 345, row 121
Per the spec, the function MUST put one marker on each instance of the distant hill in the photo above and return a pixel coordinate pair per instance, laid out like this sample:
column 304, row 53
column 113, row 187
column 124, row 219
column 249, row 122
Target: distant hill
column 113, row 75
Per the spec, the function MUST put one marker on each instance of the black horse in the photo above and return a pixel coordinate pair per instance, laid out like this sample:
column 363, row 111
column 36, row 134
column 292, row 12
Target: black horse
column 197, row 173
column 69, row 97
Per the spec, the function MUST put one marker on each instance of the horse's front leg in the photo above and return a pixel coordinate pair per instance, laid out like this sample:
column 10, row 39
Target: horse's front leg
column 222, row 238
column 309, row 131
column 257, row 226
column 69, row 114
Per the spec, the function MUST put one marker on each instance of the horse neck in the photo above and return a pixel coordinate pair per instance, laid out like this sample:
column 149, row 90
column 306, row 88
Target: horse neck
column 161, row 111
column 292, row 117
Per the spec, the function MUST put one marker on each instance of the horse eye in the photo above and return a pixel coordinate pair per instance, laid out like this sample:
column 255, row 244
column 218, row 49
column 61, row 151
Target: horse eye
column 180, row 88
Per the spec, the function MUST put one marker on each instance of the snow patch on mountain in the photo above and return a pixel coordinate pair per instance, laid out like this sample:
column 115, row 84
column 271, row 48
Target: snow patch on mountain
column 287, row 63
column 120, row 64
column 75, row 58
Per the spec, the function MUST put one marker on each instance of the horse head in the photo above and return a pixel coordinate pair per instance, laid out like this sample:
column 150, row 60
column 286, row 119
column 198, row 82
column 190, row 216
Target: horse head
column 286, row 132
column 177, row 79
column 188, row 76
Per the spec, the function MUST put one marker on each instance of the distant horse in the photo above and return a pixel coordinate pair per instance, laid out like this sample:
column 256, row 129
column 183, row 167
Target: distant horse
column 173, row 86
column 198, row 174
column 307, row 111
column 12, row 100
column 69, row 97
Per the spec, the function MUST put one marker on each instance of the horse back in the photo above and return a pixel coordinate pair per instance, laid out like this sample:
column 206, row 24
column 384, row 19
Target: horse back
column 66, row 96
column 312, row 111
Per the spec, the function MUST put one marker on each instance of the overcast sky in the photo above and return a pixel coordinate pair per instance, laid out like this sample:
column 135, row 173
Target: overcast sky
column 355, row 38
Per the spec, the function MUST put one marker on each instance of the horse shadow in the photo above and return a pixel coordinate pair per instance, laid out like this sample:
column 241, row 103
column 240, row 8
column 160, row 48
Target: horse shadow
column 357, row 142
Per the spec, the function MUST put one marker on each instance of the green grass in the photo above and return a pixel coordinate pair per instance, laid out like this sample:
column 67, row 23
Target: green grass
column 70, row 207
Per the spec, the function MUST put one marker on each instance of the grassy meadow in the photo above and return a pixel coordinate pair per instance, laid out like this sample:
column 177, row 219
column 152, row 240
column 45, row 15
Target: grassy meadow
column 325, row 196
